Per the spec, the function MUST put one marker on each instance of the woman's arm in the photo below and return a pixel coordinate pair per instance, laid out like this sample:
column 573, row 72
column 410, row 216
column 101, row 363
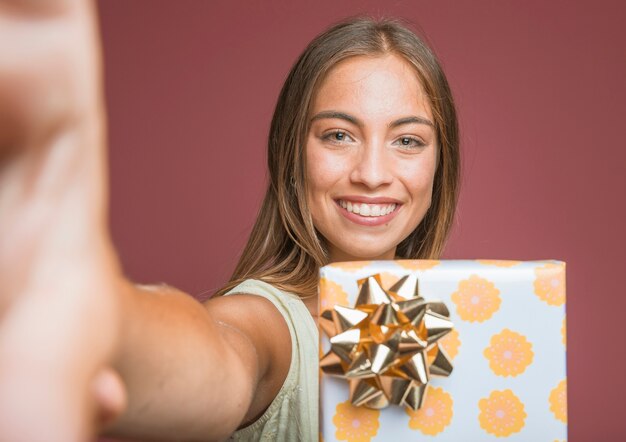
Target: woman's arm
column 192, row 372
column 196, row 371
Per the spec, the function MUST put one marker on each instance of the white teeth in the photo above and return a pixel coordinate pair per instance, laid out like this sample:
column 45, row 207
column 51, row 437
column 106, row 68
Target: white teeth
column 370, row 210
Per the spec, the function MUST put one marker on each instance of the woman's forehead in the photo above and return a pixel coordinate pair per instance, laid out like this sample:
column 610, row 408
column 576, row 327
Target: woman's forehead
column 372, row 87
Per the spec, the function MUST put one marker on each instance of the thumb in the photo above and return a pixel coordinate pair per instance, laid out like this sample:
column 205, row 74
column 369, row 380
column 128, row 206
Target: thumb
column 110, row 397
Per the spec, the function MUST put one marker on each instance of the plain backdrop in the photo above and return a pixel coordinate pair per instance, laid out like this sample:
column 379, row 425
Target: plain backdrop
column 540, row 88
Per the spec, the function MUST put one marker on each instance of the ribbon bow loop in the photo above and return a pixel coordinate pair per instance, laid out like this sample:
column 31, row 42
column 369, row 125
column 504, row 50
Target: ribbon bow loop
column 386, row 346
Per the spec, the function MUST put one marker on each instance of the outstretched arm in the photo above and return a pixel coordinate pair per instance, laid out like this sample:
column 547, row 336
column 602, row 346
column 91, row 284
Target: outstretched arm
column 197, row 372
column 191, row 371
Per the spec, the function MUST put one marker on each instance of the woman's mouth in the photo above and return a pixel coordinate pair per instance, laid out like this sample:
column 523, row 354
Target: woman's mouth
column 364, row 209
column 368, row 214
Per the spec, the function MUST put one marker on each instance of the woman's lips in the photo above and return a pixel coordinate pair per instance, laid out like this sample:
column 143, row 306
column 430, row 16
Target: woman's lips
column 374, row 212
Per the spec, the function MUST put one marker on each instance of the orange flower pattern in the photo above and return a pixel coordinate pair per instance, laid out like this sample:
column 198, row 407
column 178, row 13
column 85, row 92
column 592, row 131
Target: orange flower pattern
column 435, row 414
column 498, row 262
column 550, row 283
column 501, row 414
column 476, row 299
column 558, row 401
column 351, row 266
column 451, row 343
column 509, row 353
column 355, row 424
column 418, row 264
column 331, row 294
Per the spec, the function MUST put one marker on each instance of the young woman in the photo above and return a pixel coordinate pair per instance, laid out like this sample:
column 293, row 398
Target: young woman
column 363, row 159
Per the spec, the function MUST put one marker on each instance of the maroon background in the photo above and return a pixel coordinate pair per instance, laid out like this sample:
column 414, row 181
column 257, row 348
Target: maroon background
column 191, row 86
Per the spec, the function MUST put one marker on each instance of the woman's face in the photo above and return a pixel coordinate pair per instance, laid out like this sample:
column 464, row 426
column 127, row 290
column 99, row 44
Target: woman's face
column 371, row 157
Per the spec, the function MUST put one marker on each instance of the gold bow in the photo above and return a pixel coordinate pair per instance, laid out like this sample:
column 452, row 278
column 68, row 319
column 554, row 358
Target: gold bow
column 386, row 346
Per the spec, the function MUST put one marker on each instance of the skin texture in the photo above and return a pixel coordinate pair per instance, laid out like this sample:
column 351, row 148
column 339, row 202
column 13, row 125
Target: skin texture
column 81, row 345
column 369, row 157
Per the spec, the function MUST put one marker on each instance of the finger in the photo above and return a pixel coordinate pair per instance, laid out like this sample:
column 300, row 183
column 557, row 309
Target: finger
column 36, row 8
column 36, row 408
column 110, row 396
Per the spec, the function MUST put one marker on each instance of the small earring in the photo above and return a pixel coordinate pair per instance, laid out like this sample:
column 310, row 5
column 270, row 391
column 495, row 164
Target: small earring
column 293, row 181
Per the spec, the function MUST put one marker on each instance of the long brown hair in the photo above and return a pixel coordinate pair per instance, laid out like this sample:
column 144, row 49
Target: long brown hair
column 284, row 248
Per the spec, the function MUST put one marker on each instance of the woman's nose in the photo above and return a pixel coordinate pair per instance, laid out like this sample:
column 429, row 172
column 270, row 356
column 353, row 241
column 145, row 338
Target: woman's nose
column 372, row 166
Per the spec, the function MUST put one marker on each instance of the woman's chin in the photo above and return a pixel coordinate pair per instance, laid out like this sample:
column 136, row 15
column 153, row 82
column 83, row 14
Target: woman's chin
column 361, row 254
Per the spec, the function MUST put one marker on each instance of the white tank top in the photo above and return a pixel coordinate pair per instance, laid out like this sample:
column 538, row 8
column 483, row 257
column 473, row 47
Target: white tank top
column 293, row 414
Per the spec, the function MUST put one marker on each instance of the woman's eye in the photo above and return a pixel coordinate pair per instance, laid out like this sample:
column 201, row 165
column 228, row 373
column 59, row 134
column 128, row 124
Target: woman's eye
column 337, row 137
column 410, row 142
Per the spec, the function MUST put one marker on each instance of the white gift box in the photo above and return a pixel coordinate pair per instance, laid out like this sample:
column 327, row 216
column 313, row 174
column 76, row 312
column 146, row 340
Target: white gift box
column 507, row 348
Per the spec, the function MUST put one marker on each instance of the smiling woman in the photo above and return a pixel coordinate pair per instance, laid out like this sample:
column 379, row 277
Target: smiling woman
column 366, row 110
column 363, row 161
column 371, row 166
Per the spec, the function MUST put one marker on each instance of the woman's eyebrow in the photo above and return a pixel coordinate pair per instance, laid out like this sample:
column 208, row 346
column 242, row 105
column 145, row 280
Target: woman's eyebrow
column 357, row 122
column 411, row 119
column 339, row 115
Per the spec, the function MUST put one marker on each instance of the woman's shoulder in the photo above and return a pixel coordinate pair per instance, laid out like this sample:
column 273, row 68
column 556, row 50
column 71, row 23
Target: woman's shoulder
column 302, row 326
column 291, row 415
column 261, row 288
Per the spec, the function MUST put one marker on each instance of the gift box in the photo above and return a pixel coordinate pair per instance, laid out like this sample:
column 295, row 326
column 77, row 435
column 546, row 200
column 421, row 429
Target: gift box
column 462, row 350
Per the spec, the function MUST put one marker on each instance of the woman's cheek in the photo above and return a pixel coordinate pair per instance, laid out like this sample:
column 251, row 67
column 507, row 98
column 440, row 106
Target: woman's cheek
column 325, row 167
column 418, row 176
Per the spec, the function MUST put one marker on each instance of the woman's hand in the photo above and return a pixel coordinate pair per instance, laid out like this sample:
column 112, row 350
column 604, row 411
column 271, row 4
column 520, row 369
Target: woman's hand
column 66, row 312
column 58, row 271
